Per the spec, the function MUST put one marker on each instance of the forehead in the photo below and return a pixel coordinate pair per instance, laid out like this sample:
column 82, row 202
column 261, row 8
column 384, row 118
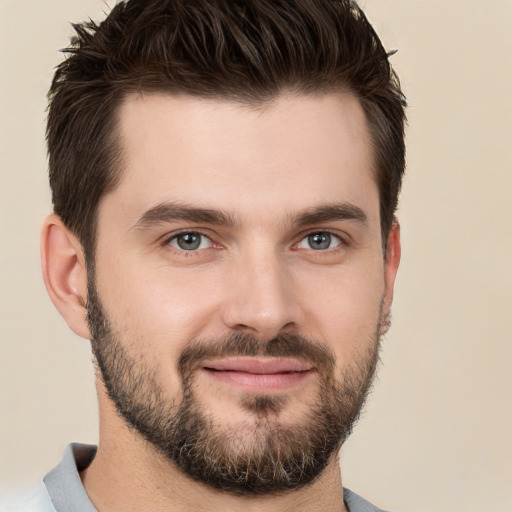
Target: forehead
column 280, row 155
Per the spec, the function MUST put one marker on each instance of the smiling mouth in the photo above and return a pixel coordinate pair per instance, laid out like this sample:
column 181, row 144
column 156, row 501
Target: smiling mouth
column 259, row 374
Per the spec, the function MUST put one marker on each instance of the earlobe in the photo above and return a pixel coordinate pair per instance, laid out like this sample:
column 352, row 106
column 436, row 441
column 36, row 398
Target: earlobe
column 65, row 273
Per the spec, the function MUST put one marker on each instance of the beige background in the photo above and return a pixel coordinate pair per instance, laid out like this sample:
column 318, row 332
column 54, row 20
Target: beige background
column 437, row 432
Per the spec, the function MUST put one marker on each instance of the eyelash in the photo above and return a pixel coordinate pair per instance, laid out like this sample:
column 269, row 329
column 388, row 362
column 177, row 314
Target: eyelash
column 330, row 236
column 190, row 253
column 167, row 242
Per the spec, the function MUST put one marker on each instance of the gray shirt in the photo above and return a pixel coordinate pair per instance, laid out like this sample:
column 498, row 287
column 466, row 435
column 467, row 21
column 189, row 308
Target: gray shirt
column 62, row 489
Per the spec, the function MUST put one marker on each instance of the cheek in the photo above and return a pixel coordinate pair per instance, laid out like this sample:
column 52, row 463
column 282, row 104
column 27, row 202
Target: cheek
column 165, row 307
column 155, row 315
column 343, row 309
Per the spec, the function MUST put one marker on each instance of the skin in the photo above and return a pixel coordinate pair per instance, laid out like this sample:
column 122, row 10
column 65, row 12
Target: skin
column 265, row 167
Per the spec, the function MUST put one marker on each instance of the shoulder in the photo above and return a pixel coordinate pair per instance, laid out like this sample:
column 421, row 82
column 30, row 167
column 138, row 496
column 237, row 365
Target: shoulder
column 32, row 499
column 355, row 503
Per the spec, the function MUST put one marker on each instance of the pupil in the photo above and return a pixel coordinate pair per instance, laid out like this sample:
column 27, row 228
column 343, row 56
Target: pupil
column 189, row 241
column 320, row 241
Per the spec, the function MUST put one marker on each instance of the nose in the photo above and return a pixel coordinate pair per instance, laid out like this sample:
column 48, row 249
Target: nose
column 260, row 294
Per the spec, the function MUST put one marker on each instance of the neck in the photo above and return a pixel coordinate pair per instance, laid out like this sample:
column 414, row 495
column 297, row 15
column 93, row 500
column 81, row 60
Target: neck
column 130, row 474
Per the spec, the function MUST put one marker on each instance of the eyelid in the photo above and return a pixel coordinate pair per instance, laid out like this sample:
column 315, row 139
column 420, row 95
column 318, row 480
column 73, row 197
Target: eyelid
column 343, row 238
column 202, row 240
column 166, row 240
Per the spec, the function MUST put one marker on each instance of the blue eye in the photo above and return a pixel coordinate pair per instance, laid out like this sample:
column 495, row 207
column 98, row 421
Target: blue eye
column 190, row 241
column 320, row 241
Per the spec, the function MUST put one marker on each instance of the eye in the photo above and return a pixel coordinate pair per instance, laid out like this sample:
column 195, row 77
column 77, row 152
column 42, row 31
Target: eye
column 320, row 241
column 190, row 241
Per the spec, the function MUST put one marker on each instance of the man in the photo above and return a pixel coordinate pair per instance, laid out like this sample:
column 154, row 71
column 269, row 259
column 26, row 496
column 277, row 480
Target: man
column 224, row 177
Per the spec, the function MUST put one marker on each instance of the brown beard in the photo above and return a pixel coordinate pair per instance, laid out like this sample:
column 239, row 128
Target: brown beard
column 268, row 457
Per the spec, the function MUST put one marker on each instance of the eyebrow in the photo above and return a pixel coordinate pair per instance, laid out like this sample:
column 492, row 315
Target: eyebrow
column 330, row 212
column 170, row 212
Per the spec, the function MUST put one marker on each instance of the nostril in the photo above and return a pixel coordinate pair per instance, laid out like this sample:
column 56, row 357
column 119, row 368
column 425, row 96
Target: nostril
column 290, row 326
column 244, row 329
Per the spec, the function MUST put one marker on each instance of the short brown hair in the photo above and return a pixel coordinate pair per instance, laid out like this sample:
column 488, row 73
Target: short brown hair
column 242, row 50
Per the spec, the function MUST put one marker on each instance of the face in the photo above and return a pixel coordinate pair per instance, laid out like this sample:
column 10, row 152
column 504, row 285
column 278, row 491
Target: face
column 240, row 287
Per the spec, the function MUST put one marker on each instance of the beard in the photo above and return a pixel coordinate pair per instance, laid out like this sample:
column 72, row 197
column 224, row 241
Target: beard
column 264, row 457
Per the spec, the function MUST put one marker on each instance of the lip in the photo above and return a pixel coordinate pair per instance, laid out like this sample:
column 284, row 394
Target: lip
column 259, row 374
column 256, row 365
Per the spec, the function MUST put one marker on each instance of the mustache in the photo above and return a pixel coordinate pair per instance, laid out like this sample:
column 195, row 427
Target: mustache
column 239, row 344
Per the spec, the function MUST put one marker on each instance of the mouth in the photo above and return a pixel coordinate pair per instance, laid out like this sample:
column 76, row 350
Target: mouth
column 261, row 375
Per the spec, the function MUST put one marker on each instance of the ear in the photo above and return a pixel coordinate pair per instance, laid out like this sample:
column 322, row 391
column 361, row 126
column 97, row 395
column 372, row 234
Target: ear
column 393, row 252
column 65, row 273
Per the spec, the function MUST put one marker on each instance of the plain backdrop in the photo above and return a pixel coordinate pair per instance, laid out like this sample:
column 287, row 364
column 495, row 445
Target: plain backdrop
column 436, row 434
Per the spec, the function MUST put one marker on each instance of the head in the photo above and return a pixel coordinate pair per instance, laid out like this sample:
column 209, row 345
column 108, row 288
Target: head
column 226, row 175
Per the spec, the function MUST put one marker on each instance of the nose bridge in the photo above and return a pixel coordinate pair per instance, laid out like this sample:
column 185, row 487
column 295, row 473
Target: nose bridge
column 261, row 299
